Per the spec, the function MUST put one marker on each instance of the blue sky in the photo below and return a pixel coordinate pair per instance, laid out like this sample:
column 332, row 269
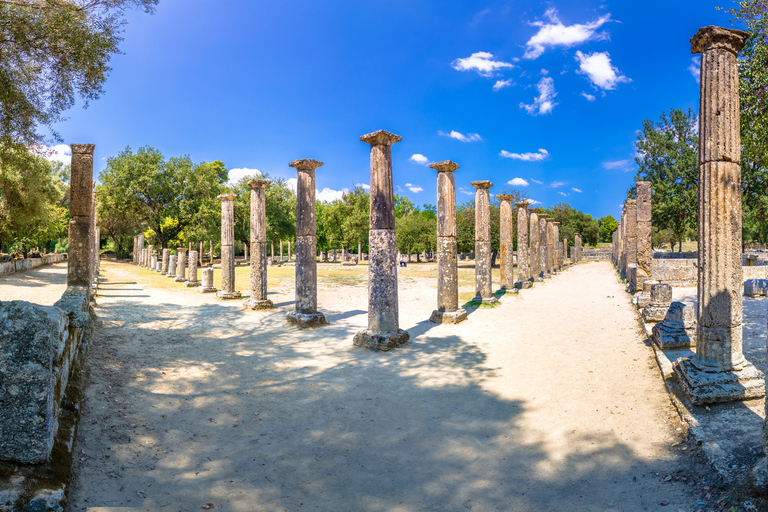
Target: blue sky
column 547, row 96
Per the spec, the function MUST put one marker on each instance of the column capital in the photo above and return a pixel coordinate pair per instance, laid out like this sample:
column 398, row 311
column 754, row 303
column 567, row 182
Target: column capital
column 522, row 204
column 82, row 149
column 258, row 183
column 227, row 197
column 484, row 184
column 543, row 215
column 444, row 166
column 181, row 249
column 381, row 138
column 305, row 164
column 555, row 223
column 505, row 197
column 718, row 38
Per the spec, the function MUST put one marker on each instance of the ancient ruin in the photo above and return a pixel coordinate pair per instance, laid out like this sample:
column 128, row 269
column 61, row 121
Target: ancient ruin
column 192, row 281
column 483, row 271
column 181, row 265
column 506, row 245
column 227, row 248
column 258, row 234
column 523, row 251
column 207, row 286
column 533, row 251
column 644, row 250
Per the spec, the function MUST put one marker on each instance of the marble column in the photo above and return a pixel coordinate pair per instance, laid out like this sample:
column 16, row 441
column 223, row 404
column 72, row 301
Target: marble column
column 543, row 245
column 483, row 251
column 533, row 259
column 181, row 265
column 227, row 290
column 719, row 372
column 80, row 204
column 506, row 243
column 631, row 242
column 192, row 281
column 258, row 228
column 644, row 247
column 166, row 262
column 383, row 331
column 448, row 310
column 305, row 313
column 523, row 265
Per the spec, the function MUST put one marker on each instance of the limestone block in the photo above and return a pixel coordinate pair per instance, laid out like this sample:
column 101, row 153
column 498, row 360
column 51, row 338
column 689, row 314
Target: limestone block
column 756, row 287
column 207, row 286
column 704, row 387
column 381, row 341
column 448, row 317
column 678, row 329
column 306, row 278
column 315, row 319
column 661, row 293
column 643, row 299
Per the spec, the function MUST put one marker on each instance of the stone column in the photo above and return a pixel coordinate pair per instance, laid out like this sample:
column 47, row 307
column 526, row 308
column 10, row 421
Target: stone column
column 80, row 204
column 565, row 252
column 558, row 258
column 207, row 286
column 448, row 310
column 245, row 252
column 523, row 265
column 533, row 259
column 577, row 244
column 201, row 254
column 644, row 248
column 227, row 248
column 719, row 372
column 166, row 262
column 506, row 243
column 543, row 245
column 551, row 248
column 210, row 244
column 135, row 247
column 624, row 245
column 192, row 281
column 258, row 273
column 383, row 331
column 154, row 262
column 281, row 251
column 150, row 252
column 181, row 265
column 305, row 313
column 359, row 251
column 483, row 271
column 631, row 241
column 172, row 266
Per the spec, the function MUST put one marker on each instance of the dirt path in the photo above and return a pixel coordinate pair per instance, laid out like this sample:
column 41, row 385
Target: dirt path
column 549, row 402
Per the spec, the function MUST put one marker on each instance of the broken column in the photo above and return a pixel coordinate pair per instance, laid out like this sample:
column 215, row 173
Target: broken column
column 577, row 247
column 533, row 251
column 483, row 271
column 181, row 265
column 305, row 313
column 207, row 286
column 258, row 298
column 448, row 310
column 523, row 266
column 644, row 247
column 719, row 372
column 172, row 266
column 227, row 248
column 166, row 262
column 383, row 331
column 192, row 281
column 678, row 329
column 80, row 203
column 507, row 250
column 661, row 298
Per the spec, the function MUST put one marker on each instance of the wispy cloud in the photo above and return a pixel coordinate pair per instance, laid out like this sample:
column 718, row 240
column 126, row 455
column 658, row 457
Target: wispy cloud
column 588, row 96
column 517, row 182
column 555, row 33
column 542, row 104
column 326, row 195
column 563, row 194
column 482, row 62
column 537, row 181
column 363, row 186
column 470, row 137
column 576, row 190
column 695, row 68
column 466, row 192
column 533, row 201
column 526, row 157
column 618, row 165
column 413, row 188
column 500, row 84
column 556, row 184
column 236, row 175
column 419, row 159
column 58, row 153
column 598, row 68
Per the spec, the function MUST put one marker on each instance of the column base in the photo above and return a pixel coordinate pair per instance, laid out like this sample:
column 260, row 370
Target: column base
column 255, row 304
column 448, row 317
column 221, row 294
column 485, row 300
column 670, row 336
column 655, row 312
column 192, row 284
column 537, row 279
column 305, row 319
column 180, row 279
column 163, row 273
column 172, row 276
column 381, row 341
column 719, row 387
column 643, row 299
column 524, row 285
column 512, row 290
column 206, row 289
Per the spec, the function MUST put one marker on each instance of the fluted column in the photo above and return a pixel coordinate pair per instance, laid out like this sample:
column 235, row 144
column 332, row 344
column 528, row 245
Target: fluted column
column 719, row 372
column 192, row 270
column 448, row 310
column 305, row 313
column 506, row 243
column 558, row 262
column 523, row 251
column 383, row 331
column 483, row 271
column 258, row 298
column 227, row 290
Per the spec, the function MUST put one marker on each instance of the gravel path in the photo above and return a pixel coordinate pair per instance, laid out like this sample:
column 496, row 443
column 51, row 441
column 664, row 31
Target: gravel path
column 42, row 285
column 550, row 401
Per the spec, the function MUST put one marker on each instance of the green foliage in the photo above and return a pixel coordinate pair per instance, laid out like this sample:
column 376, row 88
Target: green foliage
column 50, row 52
column 574, row 222
column 344, row 222
column 607, row 225
column 668, row 158
column 416, row 232
column 280, row 207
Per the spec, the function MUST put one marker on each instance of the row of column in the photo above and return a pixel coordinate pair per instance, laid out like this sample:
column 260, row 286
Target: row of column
column 631, row 245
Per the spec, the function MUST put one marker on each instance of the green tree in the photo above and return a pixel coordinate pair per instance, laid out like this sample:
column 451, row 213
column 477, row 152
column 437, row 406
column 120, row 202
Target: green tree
column 280, row 209
column 607, row 225
column 416, row 232
column 574, row 222
column 668, row 158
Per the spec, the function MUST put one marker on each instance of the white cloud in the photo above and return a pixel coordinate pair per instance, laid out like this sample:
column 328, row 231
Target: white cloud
column 526, row 157
column 533, row 201
column 563, row 194
column 517, row 182
column 470, row 137
column 466, row 192
column 500, row 84
column 556, row 184
column 588, row 96
column 482, row 62
column 576, row 190
column 537, row 181
column 597, row 66
column 236, row 175
column 419, row 159
column 363, row 186
column 326, row 195
column 695, row 68
column 543, row 103
column 556, row 34
column 414, row 188
column 620, row 165
column 58, row 153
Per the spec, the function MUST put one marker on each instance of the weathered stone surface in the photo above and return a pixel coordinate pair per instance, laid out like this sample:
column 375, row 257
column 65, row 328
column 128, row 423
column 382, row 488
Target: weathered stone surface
column 524, row 285
column 551, row 245
column 258, row 272
column 631, row 241
column 506, row 237
column 447, row 274
column 172, row 265
column 207, row 281
column 448, row 317
column 81, row 181
column 643, row 299
column 166, row 262
column 523, row 265
column 533, row 250
column 383, row 314
column 661, row 298
column 181, row 265
column 644, row 247
column 704, row 387
column 678, row 329
column 483, row 276
column 315, row 319
column 193, row 255
column 756, row 287
column 78, row 254
column 306, row 274
column 381, row 341
column 382, row 204
column 543, row 245
column 446, row 198
column 227, row 248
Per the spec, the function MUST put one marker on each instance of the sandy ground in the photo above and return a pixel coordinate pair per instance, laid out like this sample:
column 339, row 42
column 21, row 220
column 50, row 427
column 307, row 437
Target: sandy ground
column 550, row 401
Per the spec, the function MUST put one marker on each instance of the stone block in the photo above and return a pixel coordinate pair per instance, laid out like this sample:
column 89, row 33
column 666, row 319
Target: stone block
column 207, row 281
column 316, row 319
column 524, row 285
column 704, row 387
column 661, row 294
column 256, row 304
column 647, row 286
column 678, row 329
column 448, row 317
column 756, row 287
column 643, row 299
column 381, row 341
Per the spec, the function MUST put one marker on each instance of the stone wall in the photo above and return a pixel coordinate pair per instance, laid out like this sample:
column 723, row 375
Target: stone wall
column 684, row 272
column 19, row 265
column 596, row 254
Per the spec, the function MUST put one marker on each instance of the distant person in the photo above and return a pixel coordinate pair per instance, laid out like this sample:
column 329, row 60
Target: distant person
column 402, row 261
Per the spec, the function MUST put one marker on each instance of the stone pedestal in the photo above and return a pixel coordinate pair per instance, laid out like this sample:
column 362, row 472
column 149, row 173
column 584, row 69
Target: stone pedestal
column 523, row 265
column 448, row 310
column 192, row 281
column 181, row 265
column 719, row 372
column 506, row 243
column 661, row 298
column 172, row 266
column 207, row 286
column 678, row 329
column 483, row 251
column 383, row 331
column 258, row 273
column 305, row 313
column 227, row 248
